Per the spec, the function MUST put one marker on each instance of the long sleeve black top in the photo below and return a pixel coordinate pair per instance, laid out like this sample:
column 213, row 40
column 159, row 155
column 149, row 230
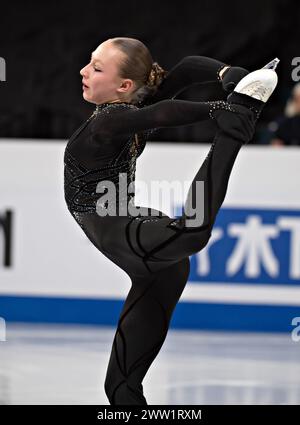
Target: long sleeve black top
column 110, row 141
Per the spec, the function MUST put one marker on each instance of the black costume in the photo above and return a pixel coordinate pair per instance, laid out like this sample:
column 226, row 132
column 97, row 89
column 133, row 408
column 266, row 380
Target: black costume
column 152, row 248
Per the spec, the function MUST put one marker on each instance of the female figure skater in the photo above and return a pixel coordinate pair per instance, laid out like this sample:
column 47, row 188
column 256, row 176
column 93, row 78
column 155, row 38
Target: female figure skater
column 134, row 96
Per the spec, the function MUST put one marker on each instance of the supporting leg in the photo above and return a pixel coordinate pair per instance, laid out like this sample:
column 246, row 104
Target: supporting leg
column 142, row 329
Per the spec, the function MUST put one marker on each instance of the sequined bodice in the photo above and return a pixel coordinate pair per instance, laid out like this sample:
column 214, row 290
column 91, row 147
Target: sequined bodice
column 81, row 184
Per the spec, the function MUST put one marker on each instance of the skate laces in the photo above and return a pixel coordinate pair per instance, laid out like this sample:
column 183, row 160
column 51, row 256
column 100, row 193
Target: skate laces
column 256, row 88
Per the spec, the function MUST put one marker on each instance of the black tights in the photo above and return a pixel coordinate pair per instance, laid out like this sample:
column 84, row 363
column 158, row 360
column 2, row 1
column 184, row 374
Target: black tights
column 154, row 252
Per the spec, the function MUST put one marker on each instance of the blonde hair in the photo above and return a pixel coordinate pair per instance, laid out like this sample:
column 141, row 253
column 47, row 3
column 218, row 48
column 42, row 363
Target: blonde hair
column 138, row 65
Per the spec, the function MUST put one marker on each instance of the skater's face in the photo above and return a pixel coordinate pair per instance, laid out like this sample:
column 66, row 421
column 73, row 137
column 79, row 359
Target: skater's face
column 101, row 81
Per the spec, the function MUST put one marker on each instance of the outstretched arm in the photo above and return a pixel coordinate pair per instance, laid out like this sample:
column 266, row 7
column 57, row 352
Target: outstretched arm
column 125, row 121
column 190, row 70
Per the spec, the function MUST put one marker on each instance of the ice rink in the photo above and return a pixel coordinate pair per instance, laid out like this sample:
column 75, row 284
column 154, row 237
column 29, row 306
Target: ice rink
column 66, row 364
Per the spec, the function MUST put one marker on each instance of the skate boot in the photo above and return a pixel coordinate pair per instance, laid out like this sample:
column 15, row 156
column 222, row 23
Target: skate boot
column 246, row 101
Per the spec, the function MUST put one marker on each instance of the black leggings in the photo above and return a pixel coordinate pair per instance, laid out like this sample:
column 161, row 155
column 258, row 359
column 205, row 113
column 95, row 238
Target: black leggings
column 154, row 252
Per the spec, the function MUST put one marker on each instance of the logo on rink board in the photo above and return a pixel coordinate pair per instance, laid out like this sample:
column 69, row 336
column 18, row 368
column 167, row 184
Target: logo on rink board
column 251, row 246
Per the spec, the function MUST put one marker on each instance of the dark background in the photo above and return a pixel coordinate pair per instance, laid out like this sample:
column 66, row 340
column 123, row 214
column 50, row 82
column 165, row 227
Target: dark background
column 45, row 44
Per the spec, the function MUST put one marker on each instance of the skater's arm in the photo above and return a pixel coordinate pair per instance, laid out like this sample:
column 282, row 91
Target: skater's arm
column 190, row 70
column 166, row 113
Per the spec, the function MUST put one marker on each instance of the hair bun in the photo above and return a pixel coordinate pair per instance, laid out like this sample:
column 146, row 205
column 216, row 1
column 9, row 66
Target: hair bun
column 156, row 75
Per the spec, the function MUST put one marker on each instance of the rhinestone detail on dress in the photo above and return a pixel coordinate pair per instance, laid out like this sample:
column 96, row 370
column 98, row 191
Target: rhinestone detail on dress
column 80, row 183
column 219, row 104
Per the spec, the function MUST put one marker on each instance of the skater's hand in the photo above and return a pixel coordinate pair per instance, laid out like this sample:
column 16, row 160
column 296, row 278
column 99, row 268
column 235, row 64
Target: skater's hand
column 232, row 76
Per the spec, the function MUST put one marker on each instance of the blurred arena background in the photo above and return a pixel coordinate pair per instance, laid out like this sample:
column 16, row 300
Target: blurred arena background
column 235, row 336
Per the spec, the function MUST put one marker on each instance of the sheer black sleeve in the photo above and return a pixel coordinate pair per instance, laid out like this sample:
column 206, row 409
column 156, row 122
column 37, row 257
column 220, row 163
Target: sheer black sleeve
column 166, row 113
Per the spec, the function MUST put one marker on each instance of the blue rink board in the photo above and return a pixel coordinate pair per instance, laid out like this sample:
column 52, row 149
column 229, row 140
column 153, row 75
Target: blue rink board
column 187, row 315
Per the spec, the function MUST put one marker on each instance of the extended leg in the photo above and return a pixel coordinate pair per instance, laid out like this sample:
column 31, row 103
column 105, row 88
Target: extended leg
column 167, row 239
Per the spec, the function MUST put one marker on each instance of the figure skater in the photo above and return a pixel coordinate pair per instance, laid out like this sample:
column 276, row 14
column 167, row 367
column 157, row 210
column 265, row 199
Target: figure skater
column 133, row 97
